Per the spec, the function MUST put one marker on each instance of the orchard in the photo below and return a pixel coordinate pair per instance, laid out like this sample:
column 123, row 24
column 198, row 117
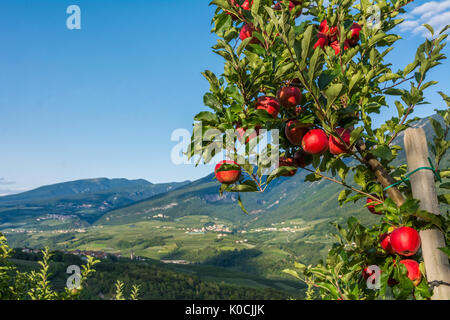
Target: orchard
column 317, row 74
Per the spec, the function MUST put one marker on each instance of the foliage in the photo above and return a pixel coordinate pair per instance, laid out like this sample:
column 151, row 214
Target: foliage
column 35, row 285
column 343, row 85
column 134, row 294
column 121, row 279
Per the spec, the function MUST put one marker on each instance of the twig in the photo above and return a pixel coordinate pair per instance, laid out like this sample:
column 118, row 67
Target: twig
column 345, row 185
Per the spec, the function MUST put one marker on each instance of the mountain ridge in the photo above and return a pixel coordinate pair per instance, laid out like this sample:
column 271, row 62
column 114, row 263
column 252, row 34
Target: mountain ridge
column 114, row 201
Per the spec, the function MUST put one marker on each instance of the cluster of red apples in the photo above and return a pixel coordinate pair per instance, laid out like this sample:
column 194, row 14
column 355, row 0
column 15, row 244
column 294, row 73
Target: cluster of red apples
column 403, row 241
column 328, row 36
column 310, row 141
column 247, row 29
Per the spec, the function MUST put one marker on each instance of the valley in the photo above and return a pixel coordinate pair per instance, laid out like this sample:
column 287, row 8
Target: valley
column 186, row 225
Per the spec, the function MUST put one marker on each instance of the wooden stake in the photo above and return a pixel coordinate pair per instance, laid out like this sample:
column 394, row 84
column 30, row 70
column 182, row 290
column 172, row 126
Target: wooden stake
column 424, row 189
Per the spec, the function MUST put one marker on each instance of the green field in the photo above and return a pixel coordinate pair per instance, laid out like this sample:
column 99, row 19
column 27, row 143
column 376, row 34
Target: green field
column 265, row 251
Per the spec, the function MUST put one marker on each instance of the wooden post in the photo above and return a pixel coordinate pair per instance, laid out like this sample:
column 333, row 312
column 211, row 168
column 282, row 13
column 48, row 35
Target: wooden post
column 424, row 189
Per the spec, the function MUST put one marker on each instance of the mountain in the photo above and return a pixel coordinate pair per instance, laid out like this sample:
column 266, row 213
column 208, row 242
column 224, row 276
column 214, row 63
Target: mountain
column 192, row 222
column 135, row 188
column 85, row 199
column 291, row 219
column 285, row 198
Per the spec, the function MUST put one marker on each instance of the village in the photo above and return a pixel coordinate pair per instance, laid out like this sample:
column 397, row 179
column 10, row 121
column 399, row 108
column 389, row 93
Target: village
column 212, row 228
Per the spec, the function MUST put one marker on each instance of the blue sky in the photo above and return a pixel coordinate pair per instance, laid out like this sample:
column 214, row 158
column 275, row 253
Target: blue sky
column 103, row 101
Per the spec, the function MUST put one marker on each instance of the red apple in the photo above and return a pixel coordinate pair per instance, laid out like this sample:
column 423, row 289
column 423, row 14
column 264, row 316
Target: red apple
column 392, row 282
column 292, row 5
column 366, row 274
column 337, row 48
column 405, row 241
column 354, row 34
column 246, row 32
column 332, row 34
column 322, row 40
column 302, row 158
column 227, row 176
column 414, row 273
column 233, row 16
column 315, row 141
column 288, row 162
column 371, row 207
column 335, row 144
column 385, row 242
column 246, row 5
column 323, row 27
column 270, row 104
column 242, row 132
column 294, row 133
column 289, row 97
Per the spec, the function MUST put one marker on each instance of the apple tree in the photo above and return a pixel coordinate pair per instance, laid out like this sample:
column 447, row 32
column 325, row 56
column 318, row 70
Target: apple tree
column 317, row 73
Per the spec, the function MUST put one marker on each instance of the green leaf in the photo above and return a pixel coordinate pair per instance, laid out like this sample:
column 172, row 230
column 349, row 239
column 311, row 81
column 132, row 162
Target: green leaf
column 242, row 45
column 222, row 24
column 255, row 7
column 315, row 65
column 333, row 92
column 292, row 273
column 360, row 176
column 445, row 250
column 394, row 91
column 376, row 38
column 325, row 79
column 410, row 67
column 410, row 206
column 383, row 152
column 388, row 76
column 222, row 188
column 213, row 81
column 206, row 116
column 428, row 84
column 422, row 291
column 390, row 206
column 400, row 108
column 221, row 3
column 241, row 205
column 228, row 167
column 445, row 173
column 444, row 29
column 246, row 186
column 279, row 172
column 437, row 127
column 313, row 177
column 211, row 101
column 306, row 43
column 429, row 217
column 430, row 28
column 355, row 78
column 355, row 135
column 445, row 185
column 343, row 196
column 444, row 198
